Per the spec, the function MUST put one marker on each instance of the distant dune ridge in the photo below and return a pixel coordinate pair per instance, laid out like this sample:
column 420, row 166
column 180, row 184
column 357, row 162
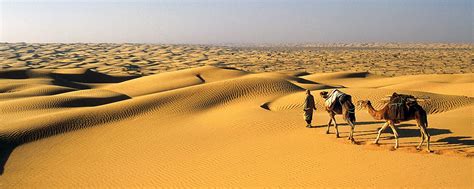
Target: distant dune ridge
column 388, row 59
column 206, row 126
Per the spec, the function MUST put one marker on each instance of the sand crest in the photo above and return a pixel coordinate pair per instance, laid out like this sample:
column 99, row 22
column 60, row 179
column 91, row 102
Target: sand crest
column 205, row 126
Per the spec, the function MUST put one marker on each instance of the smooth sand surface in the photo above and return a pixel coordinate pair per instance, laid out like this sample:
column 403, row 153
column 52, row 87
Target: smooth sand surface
column 205, row 126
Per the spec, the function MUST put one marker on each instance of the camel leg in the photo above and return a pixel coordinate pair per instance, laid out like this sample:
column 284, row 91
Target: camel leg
column 392, row 126
column 422, row 138
column 385, row 125
column 335, row 126
column 329, row 124
column 423, row 129
column 351, row 135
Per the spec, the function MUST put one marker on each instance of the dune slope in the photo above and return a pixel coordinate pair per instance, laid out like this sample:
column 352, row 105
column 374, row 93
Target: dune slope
column 211, row 126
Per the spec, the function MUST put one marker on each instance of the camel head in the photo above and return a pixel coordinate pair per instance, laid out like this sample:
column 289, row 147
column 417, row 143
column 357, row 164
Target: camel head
column 324, row 94
column 363, row 103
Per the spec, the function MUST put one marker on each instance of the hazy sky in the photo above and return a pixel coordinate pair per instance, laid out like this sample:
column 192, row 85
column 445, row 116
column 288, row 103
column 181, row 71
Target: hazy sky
column 236, row 21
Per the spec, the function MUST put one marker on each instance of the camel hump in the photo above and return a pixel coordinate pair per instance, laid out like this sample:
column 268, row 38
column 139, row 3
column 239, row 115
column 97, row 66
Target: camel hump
column 399, row 105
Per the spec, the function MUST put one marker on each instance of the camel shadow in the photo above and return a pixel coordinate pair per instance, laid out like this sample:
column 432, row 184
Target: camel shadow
column 406, row 130
column 414, row 132
column 356, row 123
column 462, row 140
column 346, row 124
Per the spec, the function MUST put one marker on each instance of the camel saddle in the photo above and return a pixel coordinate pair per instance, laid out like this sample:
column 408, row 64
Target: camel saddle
column 399, row 107
column 333, row 99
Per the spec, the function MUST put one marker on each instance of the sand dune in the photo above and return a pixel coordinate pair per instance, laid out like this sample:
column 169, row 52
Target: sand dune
column 147, row 59
column 211, row 126
column 173, row 80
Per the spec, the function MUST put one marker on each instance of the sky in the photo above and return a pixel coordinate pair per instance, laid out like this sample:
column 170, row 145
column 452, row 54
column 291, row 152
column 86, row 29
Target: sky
column 236, row 21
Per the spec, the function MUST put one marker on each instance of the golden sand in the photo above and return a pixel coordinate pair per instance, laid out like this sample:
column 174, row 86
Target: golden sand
column 75, row 127
column 147, row 59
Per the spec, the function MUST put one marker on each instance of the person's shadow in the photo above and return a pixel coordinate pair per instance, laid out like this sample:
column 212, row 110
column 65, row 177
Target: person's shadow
column 316, row 126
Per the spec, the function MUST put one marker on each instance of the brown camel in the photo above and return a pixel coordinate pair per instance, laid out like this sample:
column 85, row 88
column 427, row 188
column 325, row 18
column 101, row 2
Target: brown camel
column 343, row 106
column 414, row 112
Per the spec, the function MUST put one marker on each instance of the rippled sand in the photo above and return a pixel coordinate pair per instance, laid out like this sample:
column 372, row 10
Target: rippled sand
column 81, row 115
column 142, row 59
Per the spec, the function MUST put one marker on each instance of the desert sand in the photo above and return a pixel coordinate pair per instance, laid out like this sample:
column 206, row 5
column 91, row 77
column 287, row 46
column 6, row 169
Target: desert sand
column 147, row 59
column 110, row 115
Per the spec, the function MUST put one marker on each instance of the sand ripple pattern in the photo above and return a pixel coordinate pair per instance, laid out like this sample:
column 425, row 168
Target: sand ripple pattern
column 148, row 59
column 83, row 108
column 78, row 128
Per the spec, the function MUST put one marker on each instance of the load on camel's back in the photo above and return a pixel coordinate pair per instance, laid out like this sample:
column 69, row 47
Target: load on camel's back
column 400, row 106
column 332, row 98
column 336, row 99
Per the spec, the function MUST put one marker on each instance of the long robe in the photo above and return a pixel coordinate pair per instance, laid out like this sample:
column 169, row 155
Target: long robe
column 309, row 106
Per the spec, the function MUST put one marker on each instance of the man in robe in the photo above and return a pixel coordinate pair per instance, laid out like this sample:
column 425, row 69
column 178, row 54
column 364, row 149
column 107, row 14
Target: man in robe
column 309, row 106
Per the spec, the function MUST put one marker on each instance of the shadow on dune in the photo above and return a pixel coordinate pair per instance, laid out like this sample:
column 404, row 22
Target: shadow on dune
column 301, row 74
column 357, row 75
column 91, row 102
column 13, row 74
column 90, row 76
column 76, row 80
column 5, row 151
column 265, row 106
column 230, row 68
column 81, row 75
column 79, row 81
column 66, row 83
column 304, row 81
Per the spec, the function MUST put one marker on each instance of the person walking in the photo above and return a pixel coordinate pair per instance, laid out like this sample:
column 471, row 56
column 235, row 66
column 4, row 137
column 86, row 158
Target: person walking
column 309, row 106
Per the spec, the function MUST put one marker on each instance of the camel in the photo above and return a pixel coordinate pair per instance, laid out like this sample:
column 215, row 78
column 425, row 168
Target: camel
column 343, row 106
column 414, row 112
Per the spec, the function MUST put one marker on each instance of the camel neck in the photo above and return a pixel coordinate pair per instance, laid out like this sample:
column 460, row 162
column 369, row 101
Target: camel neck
column 373, row 112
